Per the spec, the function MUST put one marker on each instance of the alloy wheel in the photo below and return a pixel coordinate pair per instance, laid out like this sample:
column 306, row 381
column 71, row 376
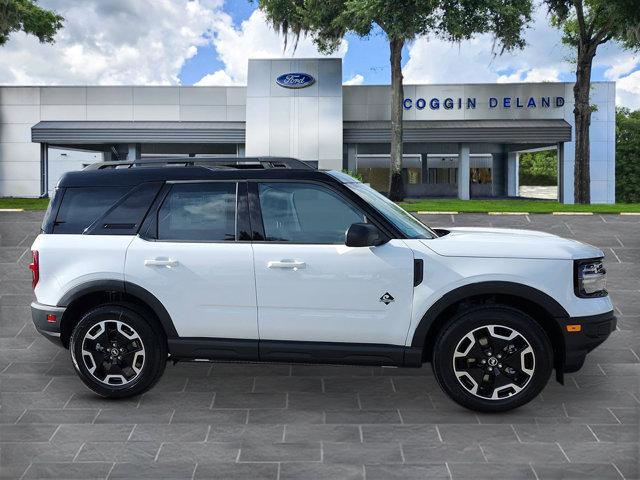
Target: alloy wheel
column 113, row 352
column 494, row 362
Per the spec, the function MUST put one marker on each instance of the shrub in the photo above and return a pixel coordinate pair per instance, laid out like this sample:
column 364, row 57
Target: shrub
column 627, row 156
column 539, row 168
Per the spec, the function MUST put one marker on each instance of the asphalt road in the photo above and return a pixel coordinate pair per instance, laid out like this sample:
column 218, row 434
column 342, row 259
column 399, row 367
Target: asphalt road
column 296, row 421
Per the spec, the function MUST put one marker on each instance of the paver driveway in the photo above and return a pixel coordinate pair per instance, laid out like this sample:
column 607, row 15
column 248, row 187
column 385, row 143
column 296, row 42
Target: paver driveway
column 297, row 421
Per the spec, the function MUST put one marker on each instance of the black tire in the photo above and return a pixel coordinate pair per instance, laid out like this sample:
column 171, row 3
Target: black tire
column 147, row 339
column 533, row 371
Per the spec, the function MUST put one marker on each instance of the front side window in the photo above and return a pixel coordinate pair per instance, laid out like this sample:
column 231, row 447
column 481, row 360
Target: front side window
column 305, row 213
column 399, row 217
column 201, row 212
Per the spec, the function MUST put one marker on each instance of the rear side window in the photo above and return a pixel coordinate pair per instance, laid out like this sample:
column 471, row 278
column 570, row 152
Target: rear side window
column 201, row 212
column 127, row 215
column 82, row 206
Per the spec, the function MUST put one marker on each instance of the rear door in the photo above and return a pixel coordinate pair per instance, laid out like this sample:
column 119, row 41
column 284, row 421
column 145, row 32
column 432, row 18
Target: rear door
column 313, row 288
column 194, row 260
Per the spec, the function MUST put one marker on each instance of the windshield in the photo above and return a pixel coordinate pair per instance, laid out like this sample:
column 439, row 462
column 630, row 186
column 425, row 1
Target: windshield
column 399, row 217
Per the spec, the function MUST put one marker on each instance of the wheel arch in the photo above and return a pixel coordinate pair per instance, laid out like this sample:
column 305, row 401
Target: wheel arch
column 91, row 294
column 543, row 308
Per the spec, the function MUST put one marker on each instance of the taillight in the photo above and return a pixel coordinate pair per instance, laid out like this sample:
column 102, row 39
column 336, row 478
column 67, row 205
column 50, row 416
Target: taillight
column 34, row 266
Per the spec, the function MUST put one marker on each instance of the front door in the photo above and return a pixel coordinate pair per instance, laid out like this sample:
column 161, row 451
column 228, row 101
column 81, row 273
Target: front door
column 195, row 264
column 313, row 288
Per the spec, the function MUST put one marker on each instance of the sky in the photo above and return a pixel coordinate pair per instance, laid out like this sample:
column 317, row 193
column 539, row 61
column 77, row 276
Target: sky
column 208, row 42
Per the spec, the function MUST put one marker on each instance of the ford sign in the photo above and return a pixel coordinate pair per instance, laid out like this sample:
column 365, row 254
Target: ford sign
column 295, row 80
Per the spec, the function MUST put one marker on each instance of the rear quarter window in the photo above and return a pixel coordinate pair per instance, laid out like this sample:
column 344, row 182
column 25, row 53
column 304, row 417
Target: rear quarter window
column 80, row 207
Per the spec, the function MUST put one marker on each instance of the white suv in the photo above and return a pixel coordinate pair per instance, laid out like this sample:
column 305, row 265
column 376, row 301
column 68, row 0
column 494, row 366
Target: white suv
column 269, row 260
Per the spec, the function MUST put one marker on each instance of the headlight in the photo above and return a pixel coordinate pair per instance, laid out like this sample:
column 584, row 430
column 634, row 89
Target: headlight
column 590, row 278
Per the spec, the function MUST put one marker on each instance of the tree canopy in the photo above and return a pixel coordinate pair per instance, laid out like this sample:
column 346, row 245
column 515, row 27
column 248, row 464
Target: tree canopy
column 27, row 16
column 587, row 24
column 328, row 21
column 594, row 22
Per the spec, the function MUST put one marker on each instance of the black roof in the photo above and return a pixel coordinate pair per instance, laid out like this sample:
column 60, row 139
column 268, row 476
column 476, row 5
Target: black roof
column 126, row 173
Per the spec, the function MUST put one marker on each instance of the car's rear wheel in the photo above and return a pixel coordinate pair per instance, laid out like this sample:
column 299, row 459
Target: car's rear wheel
column 492, row 358
column 117, row 352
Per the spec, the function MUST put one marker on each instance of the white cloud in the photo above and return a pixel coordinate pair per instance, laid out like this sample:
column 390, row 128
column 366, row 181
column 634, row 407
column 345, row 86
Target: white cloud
column 115, row 42
column 628, row 91
column 357, row 79
column 622, row 65
column 531, row 75
column 436, row 61
column 545, row 58
column 217, row 78
column 253, row 39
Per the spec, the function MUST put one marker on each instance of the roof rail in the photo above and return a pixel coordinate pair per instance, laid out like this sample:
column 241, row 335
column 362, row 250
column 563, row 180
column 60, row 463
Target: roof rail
column 209, row 162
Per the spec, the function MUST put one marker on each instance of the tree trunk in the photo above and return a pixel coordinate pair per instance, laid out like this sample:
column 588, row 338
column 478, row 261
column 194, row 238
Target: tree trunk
column 396, row 186
column 582, row 115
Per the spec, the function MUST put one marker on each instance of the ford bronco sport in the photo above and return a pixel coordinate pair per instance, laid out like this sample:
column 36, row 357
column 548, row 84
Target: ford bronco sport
column 270, row 260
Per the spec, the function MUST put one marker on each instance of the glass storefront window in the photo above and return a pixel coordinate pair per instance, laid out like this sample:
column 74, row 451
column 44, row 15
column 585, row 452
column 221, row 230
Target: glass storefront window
column 414, row 175
column 443, row 175
column 480, row 175
column 378, row 178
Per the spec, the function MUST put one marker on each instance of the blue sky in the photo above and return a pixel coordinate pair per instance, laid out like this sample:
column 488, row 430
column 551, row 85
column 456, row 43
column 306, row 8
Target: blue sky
column 368, row 56
column 208, row 42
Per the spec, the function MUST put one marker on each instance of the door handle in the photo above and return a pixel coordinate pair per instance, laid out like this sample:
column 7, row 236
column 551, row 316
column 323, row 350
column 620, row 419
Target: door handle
column 156, row 262
column 292, row 264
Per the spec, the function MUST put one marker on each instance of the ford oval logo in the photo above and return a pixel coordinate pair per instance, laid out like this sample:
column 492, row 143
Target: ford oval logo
column 295, row 80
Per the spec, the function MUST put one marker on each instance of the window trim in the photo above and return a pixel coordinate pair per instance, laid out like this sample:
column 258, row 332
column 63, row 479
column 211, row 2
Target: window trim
column 150, row 224
column 257, row 225
column 96, row 229
column 55, row 221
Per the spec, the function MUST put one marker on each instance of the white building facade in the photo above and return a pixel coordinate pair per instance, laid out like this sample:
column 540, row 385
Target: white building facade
column 459, row 140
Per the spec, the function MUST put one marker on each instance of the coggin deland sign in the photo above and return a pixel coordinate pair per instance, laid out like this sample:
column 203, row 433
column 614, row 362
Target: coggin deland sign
column 302, row 80
column 469, row 103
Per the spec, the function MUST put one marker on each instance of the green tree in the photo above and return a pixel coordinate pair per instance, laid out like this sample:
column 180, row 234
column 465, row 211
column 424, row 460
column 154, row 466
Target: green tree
column 587, row 24
column 327, row 22
column 28, row 17
column 539, row 168
column 627, row 156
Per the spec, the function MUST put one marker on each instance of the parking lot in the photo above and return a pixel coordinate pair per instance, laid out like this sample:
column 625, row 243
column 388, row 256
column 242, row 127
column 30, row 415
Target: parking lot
column 225, row 420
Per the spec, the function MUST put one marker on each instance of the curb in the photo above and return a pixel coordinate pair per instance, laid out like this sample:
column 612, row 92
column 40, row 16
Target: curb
column 436, row 213
column 571, row 213
column 428, row 212
column 11, row 209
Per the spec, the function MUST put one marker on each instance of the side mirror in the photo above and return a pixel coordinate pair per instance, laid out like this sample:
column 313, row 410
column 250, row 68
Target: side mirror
column 364, row 235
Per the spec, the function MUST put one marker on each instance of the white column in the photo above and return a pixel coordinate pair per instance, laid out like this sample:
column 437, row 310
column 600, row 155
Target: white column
column 513, row 166
column 566, row 161
column 463, row 171
column 133, row 151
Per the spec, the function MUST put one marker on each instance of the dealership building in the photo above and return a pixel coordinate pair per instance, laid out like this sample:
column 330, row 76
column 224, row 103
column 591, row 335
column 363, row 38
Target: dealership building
column 460, row 140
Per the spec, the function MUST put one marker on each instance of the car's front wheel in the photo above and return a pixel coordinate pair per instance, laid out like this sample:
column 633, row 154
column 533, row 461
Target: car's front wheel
column 117, row 352
column 492, row 358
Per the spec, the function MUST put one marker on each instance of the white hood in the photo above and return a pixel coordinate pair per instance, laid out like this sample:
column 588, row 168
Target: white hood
column 509, row 243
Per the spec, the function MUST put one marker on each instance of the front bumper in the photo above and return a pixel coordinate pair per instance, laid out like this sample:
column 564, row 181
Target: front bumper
column 50, row 329
column 595, row 329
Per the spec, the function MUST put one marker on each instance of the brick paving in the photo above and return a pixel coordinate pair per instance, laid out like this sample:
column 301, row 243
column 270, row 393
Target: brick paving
column 318, row 422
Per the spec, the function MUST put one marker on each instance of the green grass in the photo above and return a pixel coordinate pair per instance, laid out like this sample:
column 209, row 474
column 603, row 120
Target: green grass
column 24, row 203
column 530, row 206
column 420, row 205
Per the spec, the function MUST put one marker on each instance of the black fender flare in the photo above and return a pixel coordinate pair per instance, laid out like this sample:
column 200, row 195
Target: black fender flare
column 129, row 288
column 532, row 294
